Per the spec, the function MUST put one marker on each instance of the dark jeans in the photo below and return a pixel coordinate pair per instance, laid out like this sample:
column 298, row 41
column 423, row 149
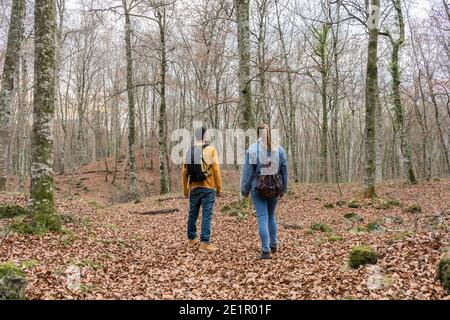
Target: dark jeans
column 205, row 198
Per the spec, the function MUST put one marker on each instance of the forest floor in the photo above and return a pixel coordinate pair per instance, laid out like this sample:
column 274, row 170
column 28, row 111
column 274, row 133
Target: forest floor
column 125, row 255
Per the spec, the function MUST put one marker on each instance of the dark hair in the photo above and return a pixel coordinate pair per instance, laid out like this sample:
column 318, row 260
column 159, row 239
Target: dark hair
column 199, row 133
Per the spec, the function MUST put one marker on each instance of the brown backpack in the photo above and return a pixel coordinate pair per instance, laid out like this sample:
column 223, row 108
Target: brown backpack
column 268, row 186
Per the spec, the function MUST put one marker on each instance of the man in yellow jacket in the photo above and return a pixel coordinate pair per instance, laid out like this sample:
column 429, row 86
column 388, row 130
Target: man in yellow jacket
column 202, row 182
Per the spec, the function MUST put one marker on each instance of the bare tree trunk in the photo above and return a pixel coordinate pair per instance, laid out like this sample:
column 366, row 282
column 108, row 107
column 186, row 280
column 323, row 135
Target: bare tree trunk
column 42, row 203
column 336, row 83
column 292, row 107
column 163, row 163
column 131, row 103
column 15, row 36
column 60, row 4
column 320, row 51
column 261, row 104
column 245, row 91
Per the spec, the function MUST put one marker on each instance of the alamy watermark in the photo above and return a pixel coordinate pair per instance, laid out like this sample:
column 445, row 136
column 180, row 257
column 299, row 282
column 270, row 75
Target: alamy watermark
column 73, row 278
column 374, row 18
column 229, row 143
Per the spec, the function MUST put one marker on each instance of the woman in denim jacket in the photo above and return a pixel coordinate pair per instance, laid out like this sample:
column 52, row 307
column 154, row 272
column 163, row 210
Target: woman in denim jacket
column 262, row 152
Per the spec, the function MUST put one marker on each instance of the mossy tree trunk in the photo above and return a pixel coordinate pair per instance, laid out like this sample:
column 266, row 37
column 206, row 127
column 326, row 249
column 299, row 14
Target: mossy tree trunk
column 42, row 203
column 397, row 44
column 15, row 36
column 379, row 141
column 162, row 123
column 245, row 91
column 371, row 105
column 336, row 82
column 131, row 103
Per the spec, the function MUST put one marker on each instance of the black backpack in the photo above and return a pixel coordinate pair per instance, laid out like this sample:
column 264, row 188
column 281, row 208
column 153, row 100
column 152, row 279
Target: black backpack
column 194, row 162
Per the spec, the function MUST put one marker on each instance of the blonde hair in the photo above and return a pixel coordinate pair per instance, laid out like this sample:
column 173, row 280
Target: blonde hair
column 268, row 141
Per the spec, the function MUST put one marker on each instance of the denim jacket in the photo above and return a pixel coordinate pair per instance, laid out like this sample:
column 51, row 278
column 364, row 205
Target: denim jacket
column 252, row 167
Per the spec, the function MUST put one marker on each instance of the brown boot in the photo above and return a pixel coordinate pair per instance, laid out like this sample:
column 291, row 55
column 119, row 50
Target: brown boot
column 193, row 243
column 208, row 248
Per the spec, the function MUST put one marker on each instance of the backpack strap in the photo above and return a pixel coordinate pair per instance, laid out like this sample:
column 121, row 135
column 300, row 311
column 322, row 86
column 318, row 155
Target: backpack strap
column 203, row 159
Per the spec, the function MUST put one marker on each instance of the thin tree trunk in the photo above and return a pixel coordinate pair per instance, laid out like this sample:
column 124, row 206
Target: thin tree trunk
column 379, row 141
column 15, row 36
column 245, row 92
column 163, row 165
column 131, row 103
column 292, row 140
column 336, row 80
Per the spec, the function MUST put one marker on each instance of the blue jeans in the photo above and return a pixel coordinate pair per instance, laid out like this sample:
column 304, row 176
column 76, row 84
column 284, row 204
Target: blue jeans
column 267, row 221
column 205, row 198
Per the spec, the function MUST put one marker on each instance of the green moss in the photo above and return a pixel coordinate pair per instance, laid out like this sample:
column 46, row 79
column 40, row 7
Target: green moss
column 12, row 282
column 403, row 235
column 397, row 220
column 358, row 230
column 226, row 208
column 29, row 264
column 12, row 211
column 22, row 227
column 309, row 232
column 362, row 255
column 334, row 238
column 52, row 223
column 320, row 227
column 340, row 203
column 354, row 204
column 444, row 272
column 414, row 208
column 68, row 218
column 352, row 216
column 387, row 204
column 238, row 209
column 96, row 205
column 329, row 205
column 9, row 268
column 394, row 203
column 86, row 263
column 373, row 226
column 85, row 289
column 43, row 210
column 319, row 241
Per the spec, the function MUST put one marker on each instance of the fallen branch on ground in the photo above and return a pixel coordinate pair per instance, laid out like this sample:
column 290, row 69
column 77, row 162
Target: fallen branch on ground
column 85, row 172
column 171, row 198
column 155, row 212
column 291, row 225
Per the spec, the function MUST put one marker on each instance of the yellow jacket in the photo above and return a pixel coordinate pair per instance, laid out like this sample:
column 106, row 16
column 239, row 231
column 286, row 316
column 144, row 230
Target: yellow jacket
column 213, row 180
